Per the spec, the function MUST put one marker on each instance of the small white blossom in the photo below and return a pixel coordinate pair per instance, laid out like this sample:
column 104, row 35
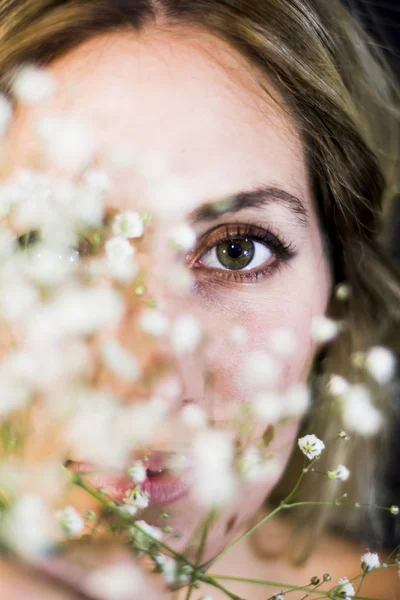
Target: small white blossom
column 323, row 329
column 283, row 342
column 119, row 582
column 337, row 385
column 98, row 180
column 28, row 527
column 311, row 446
column 137, row 498
column 297, row 400
column 122, row 362
column 214, row 482
column 381, row 364
column 394, row 509
column 369, row 561
column 137, row 472
column 341, row 473
column 68, row 143
column 345, row 590
column 5, row 114
column 359, row 414
column 193, row 416
column 185, row 334
column 279, row 597
column 70, row 521
column 145, row 536
column 153, row 322
column 32, row 85
column 261, row 369
column 267, row 406
column 183, row 237
column 238, row 334
column 119, row 248
column 128, row 224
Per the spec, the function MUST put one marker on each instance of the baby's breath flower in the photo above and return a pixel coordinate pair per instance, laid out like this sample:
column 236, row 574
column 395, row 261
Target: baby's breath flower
column 337, row 385
column 119, row 248
column 128, row 224
column 342, row 291
column 32, row 85
column 97, row 179
column 137, row 472
column 311, row 446
column 261, row 369
column 369, row 561
column 341, row 473
column 120, row 581
column 357, row 401
column 137, row 498
column 268, row 406
column 5, row 114
column 324, row 329
column 185, row 334
column 238, row 334
column 394, row 510
column 345, row 591
column 145, row 536
column 176, row 572
column 70, row 521
column 193, row 415
column 153, row 322
column 122, row 362
column 68, row 143
column 297, row 400
column 283, row 342
column 28, row 527
column 381, row 364
column 279, row 597
column 182, row 237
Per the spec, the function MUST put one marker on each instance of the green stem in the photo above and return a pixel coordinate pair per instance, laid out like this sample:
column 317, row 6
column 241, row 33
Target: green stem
column 200, row 550
column 212, row 581
column 207, row 564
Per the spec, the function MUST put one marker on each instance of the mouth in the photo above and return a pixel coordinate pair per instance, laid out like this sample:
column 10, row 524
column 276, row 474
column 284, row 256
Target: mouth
column 161, row 485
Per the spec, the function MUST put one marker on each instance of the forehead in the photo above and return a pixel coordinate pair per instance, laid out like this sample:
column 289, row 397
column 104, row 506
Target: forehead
column 183, row 95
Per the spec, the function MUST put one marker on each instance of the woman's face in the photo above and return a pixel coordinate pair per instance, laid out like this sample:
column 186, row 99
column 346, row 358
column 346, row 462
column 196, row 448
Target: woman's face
column 188, row 98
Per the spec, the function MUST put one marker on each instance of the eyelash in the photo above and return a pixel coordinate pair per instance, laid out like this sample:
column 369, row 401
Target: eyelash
column 282, row 251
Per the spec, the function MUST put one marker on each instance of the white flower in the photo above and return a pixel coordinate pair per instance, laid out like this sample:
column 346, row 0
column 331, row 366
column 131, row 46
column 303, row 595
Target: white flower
column 267, row 406
column 323, row 329
column 283, row 342
column 5, row 114
column 70, row 520
column 175, row 572
column 297, row 400
column 369, row 561
column 261, row 369
column 381, row 364
column 98, row 180
column 153, row 322
column 183, row 237
column 137, row 472
column 341, row 473
column 119, row 582
column 122, row 362
column 47, row 266
column 346, row 590
column 311, row 446
column 128, row 224
column 185, row 334
column 359, row 414
column 137, row 498
column 145, row 536
column 193, row 415
column 32, row 85
column 28, row 527
column 337, row 385
column 68, row 143
column 238, row 334
column 394, row 509
column 279, row 597
column 214, row 482
column 119, row 248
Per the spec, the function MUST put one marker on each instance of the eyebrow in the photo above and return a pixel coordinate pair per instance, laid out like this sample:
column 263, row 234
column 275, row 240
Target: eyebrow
column 258, row 198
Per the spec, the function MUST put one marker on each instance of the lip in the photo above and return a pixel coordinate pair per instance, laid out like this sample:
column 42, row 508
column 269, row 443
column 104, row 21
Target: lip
column 162, row 488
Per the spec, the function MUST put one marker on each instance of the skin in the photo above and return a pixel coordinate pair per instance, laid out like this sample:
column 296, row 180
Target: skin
column 143, row 91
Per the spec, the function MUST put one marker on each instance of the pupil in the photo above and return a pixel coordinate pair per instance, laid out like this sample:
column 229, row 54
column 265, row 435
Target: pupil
column 234, row 250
